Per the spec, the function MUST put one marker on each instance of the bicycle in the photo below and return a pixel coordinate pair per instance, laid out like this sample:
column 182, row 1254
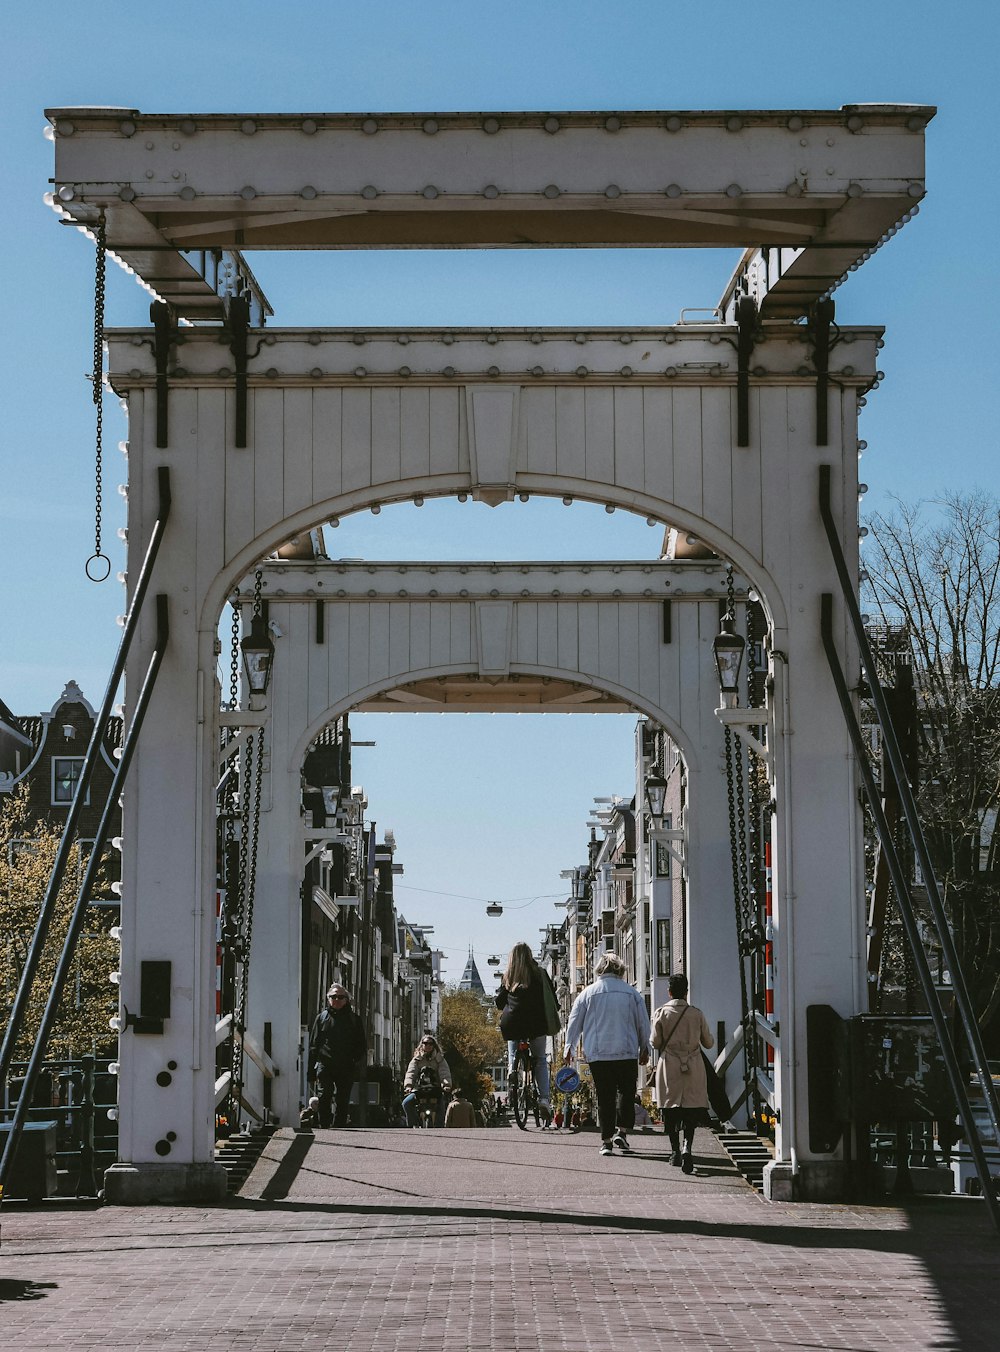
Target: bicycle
column 522, row 1089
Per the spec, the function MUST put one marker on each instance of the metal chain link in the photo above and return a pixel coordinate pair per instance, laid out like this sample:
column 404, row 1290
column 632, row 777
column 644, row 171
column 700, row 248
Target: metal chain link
column 234, row 653
column 98, row 566
column 248, row 870
column 741, row 882
column 239, row 932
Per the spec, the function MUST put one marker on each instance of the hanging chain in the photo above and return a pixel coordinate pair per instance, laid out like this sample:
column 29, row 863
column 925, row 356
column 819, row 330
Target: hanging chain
column 742, row 896
column 98, row 566
column 239, row 947
column 248, row 874
column 741, row 863
column 758, row 796
column 234, row 653
column 240, row 924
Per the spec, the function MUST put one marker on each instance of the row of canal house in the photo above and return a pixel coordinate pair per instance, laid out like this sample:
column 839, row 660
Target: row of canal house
column 352, row 930
column 630, row 895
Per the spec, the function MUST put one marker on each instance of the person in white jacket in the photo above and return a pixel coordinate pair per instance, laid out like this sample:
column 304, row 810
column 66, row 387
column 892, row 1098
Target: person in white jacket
column 611, row 1019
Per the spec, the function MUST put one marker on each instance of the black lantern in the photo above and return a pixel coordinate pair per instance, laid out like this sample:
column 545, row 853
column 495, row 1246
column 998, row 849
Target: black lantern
column 258, row 656
column 322, row 772
column 656, row 797
column 728, row 658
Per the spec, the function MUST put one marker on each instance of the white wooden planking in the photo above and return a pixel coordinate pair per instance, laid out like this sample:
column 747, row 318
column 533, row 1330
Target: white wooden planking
column 372, row 644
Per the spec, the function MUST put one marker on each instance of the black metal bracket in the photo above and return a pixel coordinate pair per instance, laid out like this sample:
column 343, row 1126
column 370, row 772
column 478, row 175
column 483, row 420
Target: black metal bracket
column 238, row 320
column 748, row 330
column 164, row 337
column 820, row 325
column 746, row 324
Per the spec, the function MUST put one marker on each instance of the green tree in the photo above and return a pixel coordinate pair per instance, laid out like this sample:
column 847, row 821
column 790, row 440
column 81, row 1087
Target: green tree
column 470, row 1040
column 27, row 853
column 934, row 579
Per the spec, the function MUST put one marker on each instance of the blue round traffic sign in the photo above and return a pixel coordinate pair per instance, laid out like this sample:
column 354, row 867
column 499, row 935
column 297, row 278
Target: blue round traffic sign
column 567, row 1080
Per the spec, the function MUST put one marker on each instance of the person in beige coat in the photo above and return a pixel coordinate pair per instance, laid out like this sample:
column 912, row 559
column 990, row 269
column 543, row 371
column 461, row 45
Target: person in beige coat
column 679, row 1032
column 460, row 1111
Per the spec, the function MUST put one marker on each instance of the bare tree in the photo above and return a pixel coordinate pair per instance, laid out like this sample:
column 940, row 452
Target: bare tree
column 934, row 578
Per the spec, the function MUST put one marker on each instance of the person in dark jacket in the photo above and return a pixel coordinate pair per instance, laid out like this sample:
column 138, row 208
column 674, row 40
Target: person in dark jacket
column 337, row 1044
column 521, row 1001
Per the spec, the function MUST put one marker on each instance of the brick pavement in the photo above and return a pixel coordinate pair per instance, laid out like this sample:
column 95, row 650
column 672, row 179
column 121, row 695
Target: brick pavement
column 458, row 1240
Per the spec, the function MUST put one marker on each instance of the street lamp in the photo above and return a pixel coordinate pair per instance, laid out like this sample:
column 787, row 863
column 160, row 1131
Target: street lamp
column 322, row 772
column 728, row 649
column 258, row 656
column 656, row 797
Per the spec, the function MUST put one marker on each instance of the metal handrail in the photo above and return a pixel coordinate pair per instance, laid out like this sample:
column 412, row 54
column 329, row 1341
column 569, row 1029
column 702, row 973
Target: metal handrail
column 908, row 804
column 50, row 902
column 907, row 915
column 78, row 917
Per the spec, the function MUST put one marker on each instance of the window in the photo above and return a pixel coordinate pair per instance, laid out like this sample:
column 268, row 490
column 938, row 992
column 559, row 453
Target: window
column 662, row 860
column 661, row 851
column 663, row 948
column 18, row 847
column 66, row 772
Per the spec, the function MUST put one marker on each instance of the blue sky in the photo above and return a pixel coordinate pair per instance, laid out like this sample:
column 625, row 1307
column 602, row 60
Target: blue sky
column 932, row 424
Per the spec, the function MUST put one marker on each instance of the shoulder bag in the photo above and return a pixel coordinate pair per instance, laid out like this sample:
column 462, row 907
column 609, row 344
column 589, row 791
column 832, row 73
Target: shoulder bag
column 651, row 1077
column 551, row 1004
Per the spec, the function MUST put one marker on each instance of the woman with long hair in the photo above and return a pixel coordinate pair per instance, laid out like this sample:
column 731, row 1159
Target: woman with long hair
column 428, row 1073
column 521, row 1001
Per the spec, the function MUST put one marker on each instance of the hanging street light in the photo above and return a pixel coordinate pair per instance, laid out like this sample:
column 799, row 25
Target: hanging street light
column 656, row 797
column 258, row 656
column 322, row 774
column 728, row 648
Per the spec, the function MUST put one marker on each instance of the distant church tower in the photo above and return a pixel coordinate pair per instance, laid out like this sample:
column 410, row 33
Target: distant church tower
column 471, row 980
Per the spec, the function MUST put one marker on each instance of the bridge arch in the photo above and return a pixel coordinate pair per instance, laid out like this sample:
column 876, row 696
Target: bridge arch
column 666, row 511
column 673, row 684
column 638, row 703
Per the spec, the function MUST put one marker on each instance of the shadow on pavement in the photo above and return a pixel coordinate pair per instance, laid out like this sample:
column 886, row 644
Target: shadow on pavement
column 284, row 1176
column 950, row 1237
column 12, row 1289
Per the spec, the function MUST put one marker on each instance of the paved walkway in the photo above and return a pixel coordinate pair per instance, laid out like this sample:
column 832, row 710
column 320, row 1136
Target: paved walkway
column 457, row 1240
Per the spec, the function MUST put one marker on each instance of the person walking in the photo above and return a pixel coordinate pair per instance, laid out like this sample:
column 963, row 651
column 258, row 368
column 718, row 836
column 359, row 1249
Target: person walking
column 610, row 1018
column 521, row 1001
column 680, row 1030
column 337, row 1044
column 460, row 1111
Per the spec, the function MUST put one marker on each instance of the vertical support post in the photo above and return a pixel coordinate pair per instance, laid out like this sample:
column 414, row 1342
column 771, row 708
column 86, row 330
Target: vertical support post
column 86, row 1183
column 239, row 325
column 820, row 324
column 164, row 336
column 746, row 322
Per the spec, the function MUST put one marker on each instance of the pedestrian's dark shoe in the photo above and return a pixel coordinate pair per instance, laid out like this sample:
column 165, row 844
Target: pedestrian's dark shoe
column 675, row 1158
column 621, row 1141
column 606, row 1148
column 687, row 1164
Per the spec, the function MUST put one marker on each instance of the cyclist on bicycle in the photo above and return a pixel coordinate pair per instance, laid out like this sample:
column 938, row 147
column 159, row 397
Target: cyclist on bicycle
column 427, row 1076
column 521, row 1001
